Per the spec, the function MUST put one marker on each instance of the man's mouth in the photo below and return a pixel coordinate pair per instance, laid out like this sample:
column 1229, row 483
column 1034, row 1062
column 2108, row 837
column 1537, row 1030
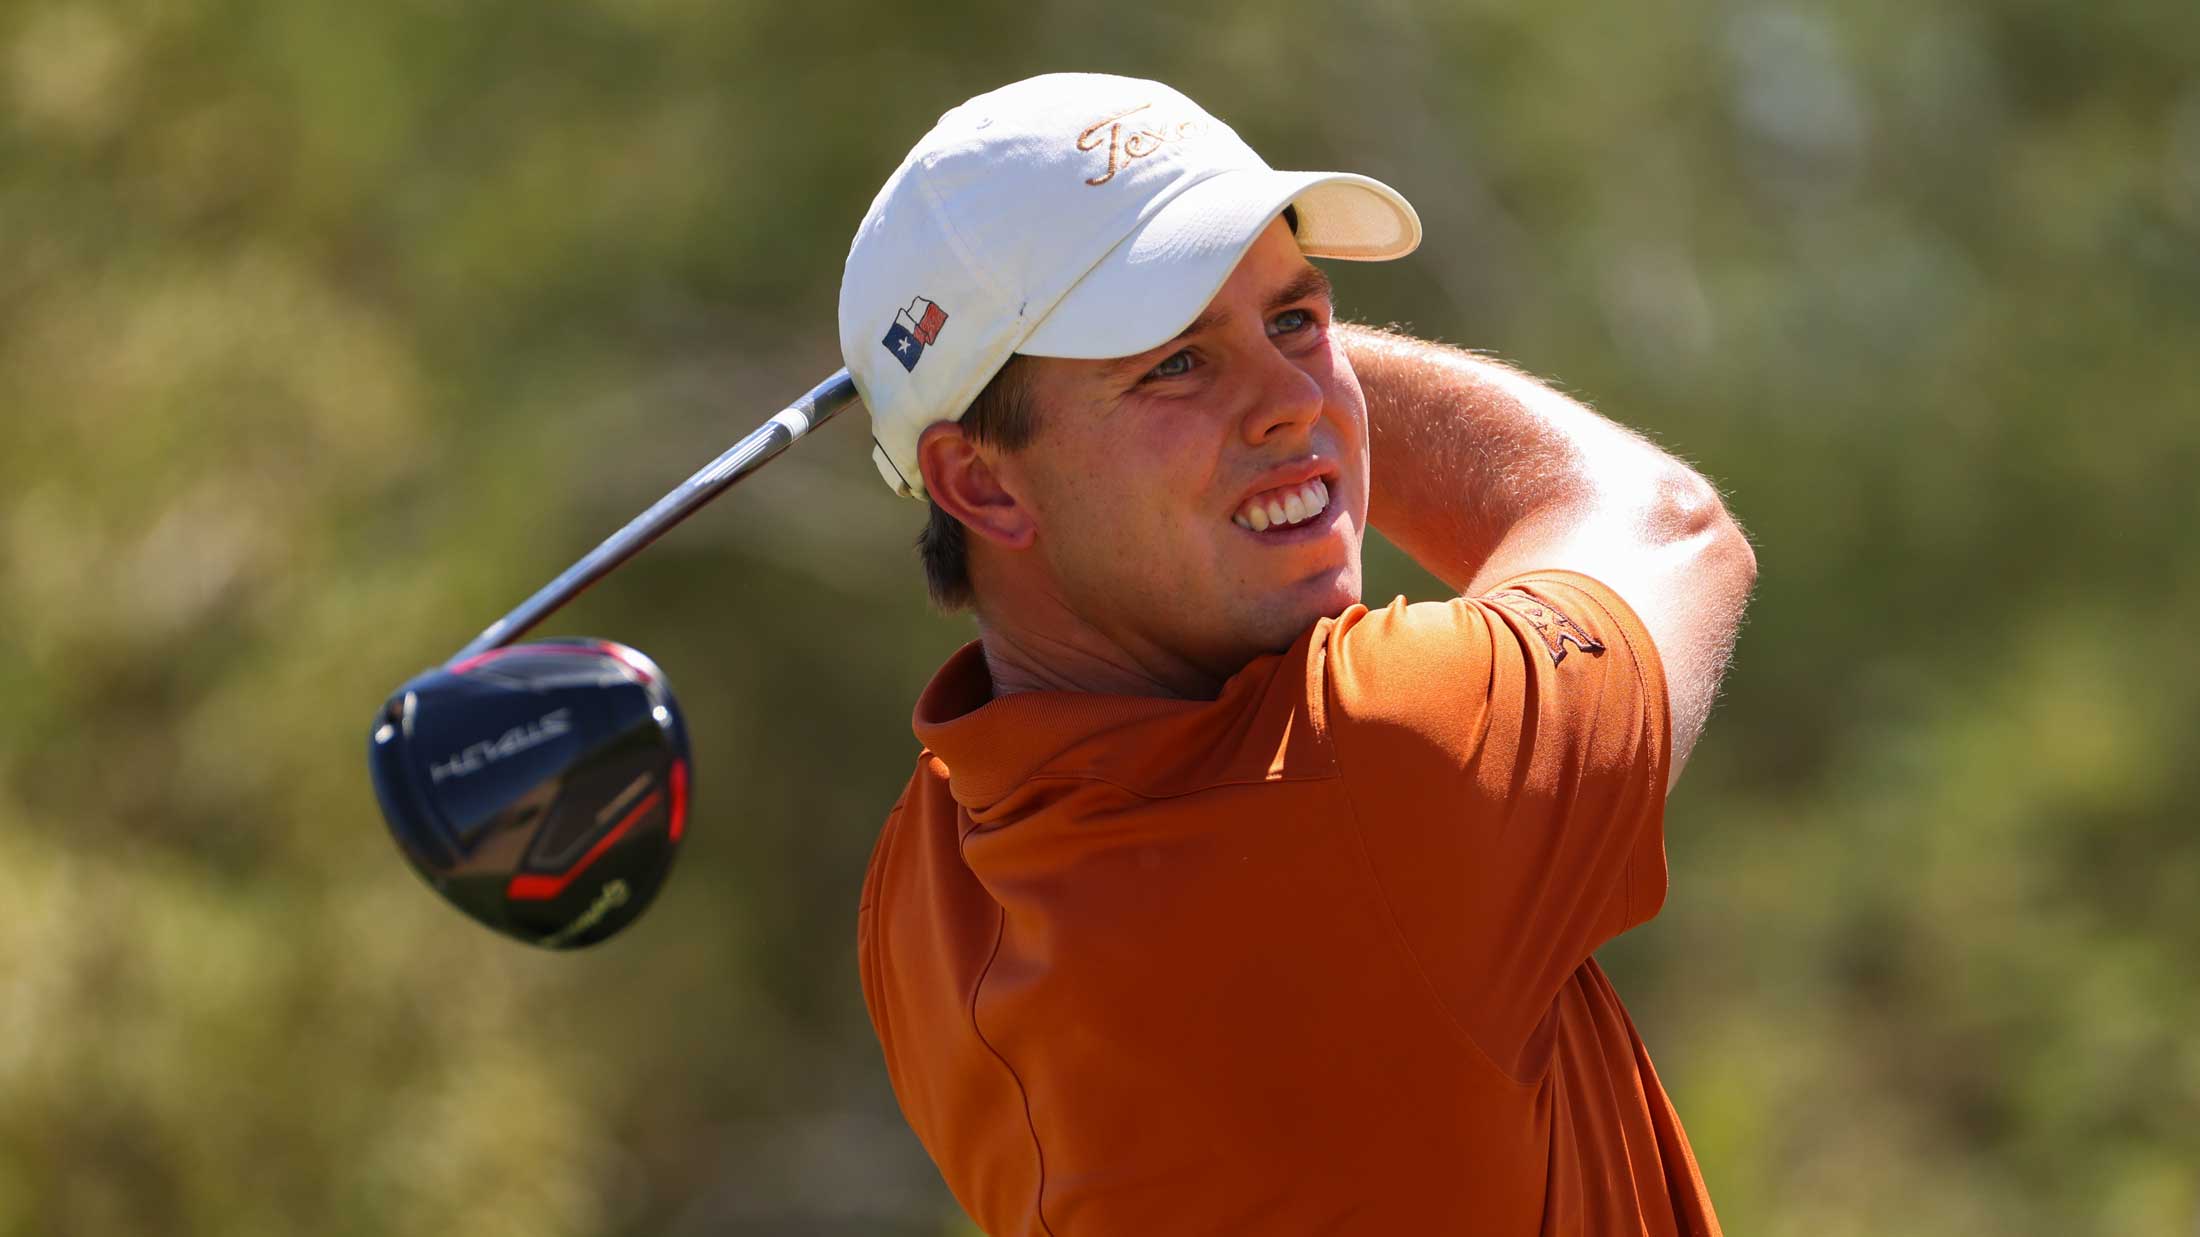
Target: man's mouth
column 1283, row 506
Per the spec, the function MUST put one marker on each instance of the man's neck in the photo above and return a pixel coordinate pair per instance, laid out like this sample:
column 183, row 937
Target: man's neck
column 1075, row 657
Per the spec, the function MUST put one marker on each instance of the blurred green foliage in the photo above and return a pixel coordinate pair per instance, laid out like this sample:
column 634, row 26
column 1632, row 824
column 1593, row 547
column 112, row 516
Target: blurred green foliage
column 329, row 331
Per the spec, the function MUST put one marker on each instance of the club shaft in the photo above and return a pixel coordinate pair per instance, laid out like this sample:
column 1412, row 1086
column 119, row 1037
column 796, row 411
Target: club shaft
column 744, row 457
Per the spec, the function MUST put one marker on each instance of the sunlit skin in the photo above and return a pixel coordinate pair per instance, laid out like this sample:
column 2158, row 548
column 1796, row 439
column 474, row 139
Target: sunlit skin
column 1103, row 552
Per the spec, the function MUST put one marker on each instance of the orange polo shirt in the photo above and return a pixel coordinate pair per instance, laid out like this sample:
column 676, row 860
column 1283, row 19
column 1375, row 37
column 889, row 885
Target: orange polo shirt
column 1310, row 957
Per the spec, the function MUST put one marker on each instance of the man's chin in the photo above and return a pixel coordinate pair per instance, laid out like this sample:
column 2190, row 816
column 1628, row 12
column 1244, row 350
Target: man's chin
column 1284, row 621
column 1328, row 595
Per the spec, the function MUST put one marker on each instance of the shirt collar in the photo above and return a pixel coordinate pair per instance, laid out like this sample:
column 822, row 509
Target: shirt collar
column 991, row 745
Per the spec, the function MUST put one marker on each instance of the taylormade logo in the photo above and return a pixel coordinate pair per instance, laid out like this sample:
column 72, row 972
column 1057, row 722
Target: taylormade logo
column 479, row 756
column 613, row 897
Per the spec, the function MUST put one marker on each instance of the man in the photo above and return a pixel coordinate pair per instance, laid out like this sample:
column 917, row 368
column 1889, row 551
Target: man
column 1218, row 903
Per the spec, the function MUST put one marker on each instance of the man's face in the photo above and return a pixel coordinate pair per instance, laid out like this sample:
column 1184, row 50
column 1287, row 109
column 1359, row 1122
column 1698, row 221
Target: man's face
column 1154, row 481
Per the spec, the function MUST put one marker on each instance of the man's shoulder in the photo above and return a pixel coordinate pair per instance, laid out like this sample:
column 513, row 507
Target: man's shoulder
column 1441, row 677
column 1408, row 647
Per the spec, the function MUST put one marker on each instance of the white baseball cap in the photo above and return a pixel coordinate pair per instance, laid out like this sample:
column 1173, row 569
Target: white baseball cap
column 1068, row 215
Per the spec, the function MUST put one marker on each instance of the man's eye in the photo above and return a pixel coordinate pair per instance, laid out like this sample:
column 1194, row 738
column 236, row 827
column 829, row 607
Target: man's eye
column 1290, row 320
column 1176, row 365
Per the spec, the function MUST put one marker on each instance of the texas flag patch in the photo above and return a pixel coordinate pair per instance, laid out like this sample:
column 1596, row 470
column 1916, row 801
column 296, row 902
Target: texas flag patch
column 913, row 329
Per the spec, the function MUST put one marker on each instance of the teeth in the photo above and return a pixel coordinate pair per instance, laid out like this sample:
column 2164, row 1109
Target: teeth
column 1295, row 506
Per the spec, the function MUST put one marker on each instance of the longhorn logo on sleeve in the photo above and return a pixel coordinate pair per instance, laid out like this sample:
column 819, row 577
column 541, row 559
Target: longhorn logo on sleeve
column 1556, row 629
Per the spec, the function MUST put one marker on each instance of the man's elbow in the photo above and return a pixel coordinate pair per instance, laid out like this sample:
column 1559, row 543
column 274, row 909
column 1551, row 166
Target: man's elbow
column 1712, row 574
column 1740, row 556
column 1690, row 513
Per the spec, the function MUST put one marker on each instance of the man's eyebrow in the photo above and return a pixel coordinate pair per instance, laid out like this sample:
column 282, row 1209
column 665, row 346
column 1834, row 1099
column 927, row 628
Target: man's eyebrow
column 1309, row 284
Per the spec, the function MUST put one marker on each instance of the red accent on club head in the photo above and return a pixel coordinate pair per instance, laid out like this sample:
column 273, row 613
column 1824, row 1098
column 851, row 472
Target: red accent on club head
column 482, row 658
column 679, row 797
column 625, row 659
column 533, row 888
column 477, row 659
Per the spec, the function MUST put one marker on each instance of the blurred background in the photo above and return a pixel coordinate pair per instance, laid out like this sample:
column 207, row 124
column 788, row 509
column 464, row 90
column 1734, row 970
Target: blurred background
column 329, row 331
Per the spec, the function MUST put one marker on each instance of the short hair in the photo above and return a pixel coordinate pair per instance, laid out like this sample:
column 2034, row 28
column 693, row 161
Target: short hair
column 1004, row 415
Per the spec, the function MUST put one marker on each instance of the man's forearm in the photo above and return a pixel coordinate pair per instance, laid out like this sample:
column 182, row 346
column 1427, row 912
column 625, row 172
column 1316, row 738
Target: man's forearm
column 1482, row 473
column 1466, row 449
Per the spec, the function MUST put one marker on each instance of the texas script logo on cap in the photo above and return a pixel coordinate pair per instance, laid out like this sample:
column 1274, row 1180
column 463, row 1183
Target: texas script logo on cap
column 1135, row 140
column 914, row 328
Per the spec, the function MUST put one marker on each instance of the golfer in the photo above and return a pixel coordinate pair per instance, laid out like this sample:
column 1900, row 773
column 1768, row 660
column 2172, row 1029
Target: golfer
column 1218, row 902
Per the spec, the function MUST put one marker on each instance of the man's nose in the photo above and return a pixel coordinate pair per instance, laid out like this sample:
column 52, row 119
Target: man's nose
column 1286, row 398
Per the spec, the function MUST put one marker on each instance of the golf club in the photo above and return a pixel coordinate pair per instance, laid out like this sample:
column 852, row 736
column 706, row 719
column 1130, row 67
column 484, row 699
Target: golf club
column 542, row 788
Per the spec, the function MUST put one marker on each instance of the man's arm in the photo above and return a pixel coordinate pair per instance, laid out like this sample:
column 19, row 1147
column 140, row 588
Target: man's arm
column 1481, row 473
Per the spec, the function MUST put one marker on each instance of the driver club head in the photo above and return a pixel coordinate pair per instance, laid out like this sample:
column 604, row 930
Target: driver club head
column 541, row 788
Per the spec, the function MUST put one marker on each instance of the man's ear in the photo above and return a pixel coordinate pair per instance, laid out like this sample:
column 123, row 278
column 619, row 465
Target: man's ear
column 960, row 476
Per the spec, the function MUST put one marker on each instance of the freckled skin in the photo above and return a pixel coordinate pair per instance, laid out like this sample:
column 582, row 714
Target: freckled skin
column 1134, row 474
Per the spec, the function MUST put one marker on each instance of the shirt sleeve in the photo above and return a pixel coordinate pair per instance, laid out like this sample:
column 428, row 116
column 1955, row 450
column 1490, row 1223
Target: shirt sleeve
column 1505, row 757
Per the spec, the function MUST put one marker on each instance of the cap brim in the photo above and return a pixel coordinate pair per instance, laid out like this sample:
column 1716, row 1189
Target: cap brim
column 1160, row 277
